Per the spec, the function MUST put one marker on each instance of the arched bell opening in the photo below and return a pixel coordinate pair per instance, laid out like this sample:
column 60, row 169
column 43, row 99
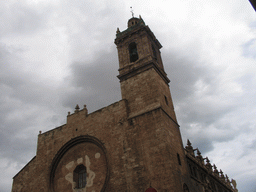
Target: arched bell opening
column 133, row 52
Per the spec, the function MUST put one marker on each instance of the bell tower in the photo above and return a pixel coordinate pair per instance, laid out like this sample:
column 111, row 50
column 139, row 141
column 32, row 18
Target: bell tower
column 144, row 82
column 152, row 136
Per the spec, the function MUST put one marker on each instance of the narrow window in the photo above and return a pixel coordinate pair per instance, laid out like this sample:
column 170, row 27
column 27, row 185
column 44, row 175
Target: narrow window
column 178, row 156
column 79, row 176
column 82, row 179
column 133, row 52
column 166, row 100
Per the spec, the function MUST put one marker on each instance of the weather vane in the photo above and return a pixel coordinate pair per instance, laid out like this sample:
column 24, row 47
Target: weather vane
column 132, row 12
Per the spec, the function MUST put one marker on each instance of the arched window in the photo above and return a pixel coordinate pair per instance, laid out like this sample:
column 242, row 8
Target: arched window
column 133, row 52
column 185, row 188
column 79, row 176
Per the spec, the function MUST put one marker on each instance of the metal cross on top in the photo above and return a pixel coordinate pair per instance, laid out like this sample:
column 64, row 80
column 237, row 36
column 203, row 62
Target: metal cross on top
column 132, row 12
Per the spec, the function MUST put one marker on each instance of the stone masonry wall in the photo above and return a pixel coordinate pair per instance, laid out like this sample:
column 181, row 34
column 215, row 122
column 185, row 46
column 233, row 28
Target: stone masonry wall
column 107, row 125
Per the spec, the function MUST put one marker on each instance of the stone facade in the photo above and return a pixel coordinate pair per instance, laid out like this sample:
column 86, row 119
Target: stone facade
column 130, row 145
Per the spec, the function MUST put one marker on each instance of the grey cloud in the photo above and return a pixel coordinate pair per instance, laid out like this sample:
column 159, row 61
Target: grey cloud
column 19, row 85
column 95, row 84
column 10, row 109
column 202, row 143
column 22, row 106
column 20, row 18
column 248, row 185
column 198, row 117
column 184, row 72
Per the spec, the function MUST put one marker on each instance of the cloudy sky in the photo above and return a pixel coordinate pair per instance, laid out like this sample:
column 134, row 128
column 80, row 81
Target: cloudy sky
column 55, row 54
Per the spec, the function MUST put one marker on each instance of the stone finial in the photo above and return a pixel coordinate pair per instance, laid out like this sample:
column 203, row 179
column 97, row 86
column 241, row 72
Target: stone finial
column 189, row 148
column 222, row 175
column 77, row 108
column 234, row 184
column 40, row 132
column 117, row 31
column 198, row 152
column 86, row 111
column 227, row 180
column 199, row 157
column 69, row 113
column 215, row 171
column 208, row 165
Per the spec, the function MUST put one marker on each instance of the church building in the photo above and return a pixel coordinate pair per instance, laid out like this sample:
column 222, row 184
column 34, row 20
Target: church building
column 132, row 145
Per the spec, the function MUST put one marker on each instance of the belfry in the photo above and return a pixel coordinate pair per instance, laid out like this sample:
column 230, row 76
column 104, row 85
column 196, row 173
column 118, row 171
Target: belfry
column 132, row 145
